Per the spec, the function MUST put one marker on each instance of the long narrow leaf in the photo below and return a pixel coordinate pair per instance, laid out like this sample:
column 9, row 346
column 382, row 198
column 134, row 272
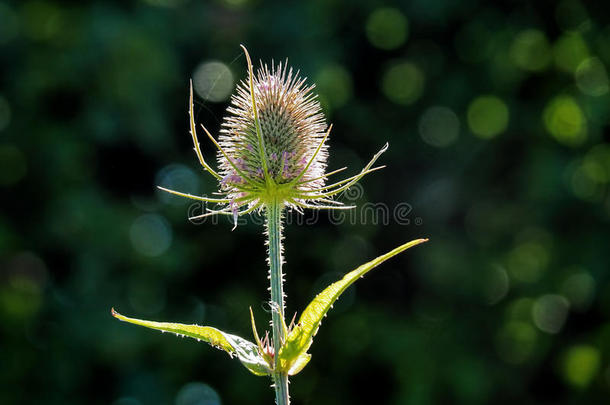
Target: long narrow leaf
column 294, row 351
column 246, row 351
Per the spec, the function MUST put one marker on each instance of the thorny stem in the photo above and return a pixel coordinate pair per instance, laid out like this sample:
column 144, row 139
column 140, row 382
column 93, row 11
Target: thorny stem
column 274, row 233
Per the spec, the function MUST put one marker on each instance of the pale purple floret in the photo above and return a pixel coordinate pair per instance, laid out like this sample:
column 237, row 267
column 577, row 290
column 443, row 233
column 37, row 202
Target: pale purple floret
column 232, row 178
column 267, row 84
column 286, row 172
column 241, row 164
column 285, row 164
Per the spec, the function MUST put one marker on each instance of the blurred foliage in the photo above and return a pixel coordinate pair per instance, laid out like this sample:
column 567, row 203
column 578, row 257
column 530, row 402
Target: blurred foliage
column 497, row 115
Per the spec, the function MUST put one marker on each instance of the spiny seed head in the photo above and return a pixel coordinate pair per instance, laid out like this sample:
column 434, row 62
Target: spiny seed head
column 272, row 147
column 292, row 127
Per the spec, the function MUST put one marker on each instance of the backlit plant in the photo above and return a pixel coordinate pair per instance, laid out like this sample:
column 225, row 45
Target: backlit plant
column 272, row 155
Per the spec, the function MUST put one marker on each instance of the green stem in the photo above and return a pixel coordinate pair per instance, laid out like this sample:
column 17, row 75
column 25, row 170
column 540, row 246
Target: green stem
column 274, row 233
column 280, row 382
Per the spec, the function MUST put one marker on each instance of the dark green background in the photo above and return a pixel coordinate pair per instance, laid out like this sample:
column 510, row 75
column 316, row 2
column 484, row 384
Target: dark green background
column 497, row 115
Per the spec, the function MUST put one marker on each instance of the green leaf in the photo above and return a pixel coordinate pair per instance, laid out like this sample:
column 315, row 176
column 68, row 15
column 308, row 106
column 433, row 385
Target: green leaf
column 246, row 351
column 293, row 354
column 299, row 364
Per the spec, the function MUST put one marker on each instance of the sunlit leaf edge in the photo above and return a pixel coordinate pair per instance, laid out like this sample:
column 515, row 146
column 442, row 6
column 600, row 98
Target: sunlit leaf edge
column 244, row 350
column 293, row 354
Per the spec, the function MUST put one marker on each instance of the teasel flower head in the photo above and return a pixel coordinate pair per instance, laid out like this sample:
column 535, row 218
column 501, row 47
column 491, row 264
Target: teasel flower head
column 272, row 147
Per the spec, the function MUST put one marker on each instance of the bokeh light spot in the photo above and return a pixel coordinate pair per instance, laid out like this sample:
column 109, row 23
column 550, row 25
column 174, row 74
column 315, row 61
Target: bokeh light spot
column 520, row 309
column 527, row 261
column 213, row 81
column 150, row 235
column 550, row 312
column 487, row 116
column 403, row 83
column 594, row 171
column 177, row 177
column 591, row 77
column 565, row 121
column 584, row 183
column 569, row 51
column 334, row 83
column 531, row 50
column 387, row 28
column 196, row 393
column 597, row 163
column 580, row 365
column 13, row 166
column 439, row 126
